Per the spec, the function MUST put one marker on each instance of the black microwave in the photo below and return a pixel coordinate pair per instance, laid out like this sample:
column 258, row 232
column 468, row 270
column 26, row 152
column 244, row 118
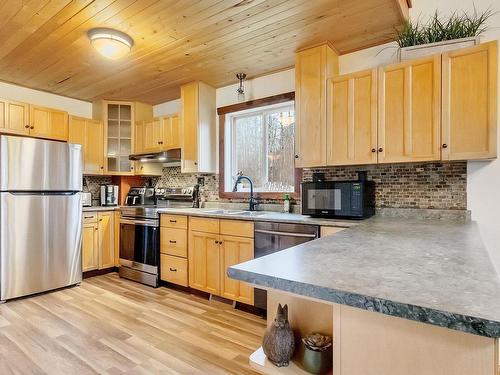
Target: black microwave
column 339, row 199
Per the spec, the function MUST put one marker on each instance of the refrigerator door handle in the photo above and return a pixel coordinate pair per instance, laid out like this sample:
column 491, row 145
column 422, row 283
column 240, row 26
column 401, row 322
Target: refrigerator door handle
column 68, row 193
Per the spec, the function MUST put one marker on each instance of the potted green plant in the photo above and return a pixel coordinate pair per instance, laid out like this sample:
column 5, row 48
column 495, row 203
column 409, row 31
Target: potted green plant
column 441, row 34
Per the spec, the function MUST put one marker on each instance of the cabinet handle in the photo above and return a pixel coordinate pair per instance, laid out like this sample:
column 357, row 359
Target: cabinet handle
column 374, row 150
column 172, row 241
column 173, row 269
column 216, row 241
column 195, row 163
column 173, row 221
column 100, row 219
column 445, row 145
column 296, row 156
column 102, row 167
column 96, row 228
column 380, row 149
column 27, row 126
column 32, row 127
column 88, row 217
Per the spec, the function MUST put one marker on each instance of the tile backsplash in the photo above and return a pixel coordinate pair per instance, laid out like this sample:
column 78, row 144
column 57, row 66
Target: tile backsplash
column 92, row 184
column 416, row 185
column 425, row 185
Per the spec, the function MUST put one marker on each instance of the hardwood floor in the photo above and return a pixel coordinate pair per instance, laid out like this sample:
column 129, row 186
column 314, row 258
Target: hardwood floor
column 115, row 326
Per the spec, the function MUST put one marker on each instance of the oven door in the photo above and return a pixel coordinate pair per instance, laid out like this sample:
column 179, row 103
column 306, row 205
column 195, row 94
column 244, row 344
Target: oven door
column 140, row 244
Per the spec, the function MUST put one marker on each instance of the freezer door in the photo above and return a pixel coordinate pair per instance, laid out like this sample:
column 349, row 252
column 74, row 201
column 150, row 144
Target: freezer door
column 29, row 164
column 40, row 242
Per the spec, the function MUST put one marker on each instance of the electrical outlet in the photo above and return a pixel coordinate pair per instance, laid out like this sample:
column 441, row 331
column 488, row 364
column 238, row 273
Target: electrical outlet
column 201, row 181
column 419, row 169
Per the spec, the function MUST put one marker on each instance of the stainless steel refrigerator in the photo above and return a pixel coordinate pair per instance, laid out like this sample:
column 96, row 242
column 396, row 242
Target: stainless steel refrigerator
column 40, row 215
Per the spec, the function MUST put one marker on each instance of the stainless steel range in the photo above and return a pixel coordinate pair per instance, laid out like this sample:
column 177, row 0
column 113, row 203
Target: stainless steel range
column 140, row 229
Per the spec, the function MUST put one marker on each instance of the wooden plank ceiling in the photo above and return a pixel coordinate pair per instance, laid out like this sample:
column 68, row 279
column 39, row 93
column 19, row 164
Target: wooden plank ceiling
column 44, row 43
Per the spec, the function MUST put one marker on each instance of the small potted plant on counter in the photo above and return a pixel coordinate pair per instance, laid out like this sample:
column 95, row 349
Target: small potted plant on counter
column 441, row 34
column 317, row 354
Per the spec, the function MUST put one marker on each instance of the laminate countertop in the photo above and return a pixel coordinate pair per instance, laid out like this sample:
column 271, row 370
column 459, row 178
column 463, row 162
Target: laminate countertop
column 100, row 208
column 434, row 272
column 258, row 216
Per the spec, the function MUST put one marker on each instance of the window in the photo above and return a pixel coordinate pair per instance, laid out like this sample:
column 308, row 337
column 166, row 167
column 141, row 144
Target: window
column 259, row 143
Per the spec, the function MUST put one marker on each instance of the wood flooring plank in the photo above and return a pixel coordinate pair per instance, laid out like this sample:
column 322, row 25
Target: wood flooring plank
column 109, row 325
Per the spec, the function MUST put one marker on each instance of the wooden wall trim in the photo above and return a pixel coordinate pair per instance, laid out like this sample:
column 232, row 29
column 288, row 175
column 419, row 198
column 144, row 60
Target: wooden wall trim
column 281, row 98
column 222, row 111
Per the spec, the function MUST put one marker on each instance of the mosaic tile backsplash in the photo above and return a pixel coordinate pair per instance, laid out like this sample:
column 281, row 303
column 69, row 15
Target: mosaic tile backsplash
column 424, row 186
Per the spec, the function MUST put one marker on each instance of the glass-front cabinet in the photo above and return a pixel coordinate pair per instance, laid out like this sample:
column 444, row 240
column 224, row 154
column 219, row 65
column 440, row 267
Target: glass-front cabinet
column 119, row 118
column 119, row 137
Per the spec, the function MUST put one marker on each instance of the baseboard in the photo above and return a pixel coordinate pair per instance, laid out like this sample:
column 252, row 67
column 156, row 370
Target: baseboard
column 104, row 271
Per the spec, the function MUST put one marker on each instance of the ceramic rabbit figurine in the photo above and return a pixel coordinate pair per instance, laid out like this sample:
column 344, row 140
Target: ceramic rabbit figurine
column 279, row 341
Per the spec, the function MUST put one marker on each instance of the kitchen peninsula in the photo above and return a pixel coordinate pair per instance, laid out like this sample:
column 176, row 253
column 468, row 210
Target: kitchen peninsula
column 399, row 296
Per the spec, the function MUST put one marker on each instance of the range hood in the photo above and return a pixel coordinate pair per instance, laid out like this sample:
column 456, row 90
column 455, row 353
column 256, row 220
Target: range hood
column 171, row 158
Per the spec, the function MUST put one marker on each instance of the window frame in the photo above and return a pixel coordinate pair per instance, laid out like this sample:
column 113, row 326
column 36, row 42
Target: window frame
column 252, row 104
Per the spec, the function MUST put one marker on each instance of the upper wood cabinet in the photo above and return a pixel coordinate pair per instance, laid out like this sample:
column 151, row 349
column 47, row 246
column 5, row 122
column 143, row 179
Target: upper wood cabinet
column 170, row 132
column 158, row 134
column 88, row 133
column 152, row 136
column 409, row 111
column 120, row 124
column 469, row 120
column 48, row 123
column 351, row 130
column 14, row 117
column 312, row 67
column 198, row 128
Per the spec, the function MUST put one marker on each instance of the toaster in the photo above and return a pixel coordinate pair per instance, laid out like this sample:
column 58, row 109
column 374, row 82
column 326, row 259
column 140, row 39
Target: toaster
column 86, row 199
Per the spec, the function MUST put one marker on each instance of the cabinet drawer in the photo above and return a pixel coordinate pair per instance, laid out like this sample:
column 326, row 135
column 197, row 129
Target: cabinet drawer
column 240, row 228
column 89, row 217
column 174, row 269
column 174, row 221
column 202, row 224
column 173, row 241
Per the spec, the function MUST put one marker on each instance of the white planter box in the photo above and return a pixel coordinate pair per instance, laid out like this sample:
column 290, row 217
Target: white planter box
column 414, row 52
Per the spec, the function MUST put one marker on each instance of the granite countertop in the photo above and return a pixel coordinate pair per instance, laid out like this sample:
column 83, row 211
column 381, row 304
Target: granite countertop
column 260, row 216
column 436, row 272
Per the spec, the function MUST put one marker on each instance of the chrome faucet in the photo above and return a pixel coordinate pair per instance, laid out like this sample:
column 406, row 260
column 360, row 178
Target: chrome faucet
column 252, row 202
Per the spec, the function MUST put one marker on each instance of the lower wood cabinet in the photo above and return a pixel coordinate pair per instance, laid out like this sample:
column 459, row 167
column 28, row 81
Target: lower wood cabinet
column 204, row 262
column 98, row 240
column 174, row 249
column 215, row 245
column 235, row 250
column 174, row 269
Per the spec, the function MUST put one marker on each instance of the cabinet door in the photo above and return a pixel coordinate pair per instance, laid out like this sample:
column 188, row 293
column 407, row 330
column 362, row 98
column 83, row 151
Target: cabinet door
column 14, row 117
column 189, row 127
column 105, row 223
column 90, row 246
column 94, row 147
column 116, row 223
column 48, row 123
column 152, row 136
column 170, row 128
column 235, row 250
column 409, row 111
column 312, row 67
column 204, row 266
column 352, row 119
column 469, row 128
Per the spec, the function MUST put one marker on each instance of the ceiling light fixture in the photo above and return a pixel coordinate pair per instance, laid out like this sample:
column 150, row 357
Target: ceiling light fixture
column 241, row 88
column 110, row 43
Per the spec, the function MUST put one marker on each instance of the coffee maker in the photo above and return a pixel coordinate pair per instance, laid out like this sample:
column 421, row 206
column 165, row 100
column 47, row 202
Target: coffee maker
column 109, row 195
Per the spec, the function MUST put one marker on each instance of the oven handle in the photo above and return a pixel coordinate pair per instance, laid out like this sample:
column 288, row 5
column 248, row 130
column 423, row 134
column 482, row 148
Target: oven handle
column 147, row 223
column 289, row 234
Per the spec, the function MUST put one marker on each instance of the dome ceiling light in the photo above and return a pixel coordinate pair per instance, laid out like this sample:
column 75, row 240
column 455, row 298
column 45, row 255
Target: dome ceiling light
column 110, row 43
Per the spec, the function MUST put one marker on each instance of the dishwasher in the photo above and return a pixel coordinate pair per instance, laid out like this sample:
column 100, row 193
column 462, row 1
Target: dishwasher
column 271, row 237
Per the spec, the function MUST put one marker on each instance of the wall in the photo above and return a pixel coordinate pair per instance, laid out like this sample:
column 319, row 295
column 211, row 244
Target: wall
column 23, row 94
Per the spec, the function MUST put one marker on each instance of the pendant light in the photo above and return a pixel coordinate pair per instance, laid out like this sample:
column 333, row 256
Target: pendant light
column 241, row 88
column 110, row 43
